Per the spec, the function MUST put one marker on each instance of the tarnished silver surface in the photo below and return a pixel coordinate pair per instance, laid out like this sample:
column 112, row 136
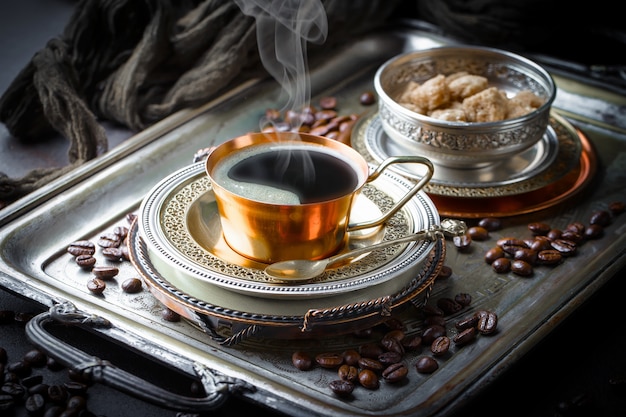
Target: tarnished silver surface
column 96, row 198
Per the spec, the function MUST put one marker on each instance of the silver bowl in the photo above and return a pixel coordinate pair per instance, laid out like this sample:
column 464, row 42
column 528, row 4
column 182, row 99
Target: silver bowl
column 462, row 144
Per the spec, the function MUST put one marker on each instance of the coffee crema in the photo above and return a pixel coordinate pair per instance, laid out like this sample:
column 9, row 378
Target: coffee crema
column 287, row 174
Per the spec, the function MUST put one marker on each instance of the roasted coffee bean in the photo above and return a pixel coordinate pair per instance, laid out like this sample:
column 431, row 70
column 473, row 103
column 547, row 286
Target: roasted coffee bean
column 81, row 247
column 593, row 231
column 522, row 268
column 549, row 257
column 41, row 388
column 465, row 337
column 540, row 243
column 329, row 360
column 20, row 368
column 566, row 247
column 35, row 404
column 426, row 365
column 463, row 298
column 577, row 227
column 341, row 388
column 412, row 343
column 170, row 315
column 54, row 365
column 395, row 372
column 525, row 254
column 76, row 402
column 554, row 234
column 7, row 402
column 539, row 228
column 348, row 373
column 394, row 324
column 85, row 261
column 467, row 322
column 445, row 272
column 462, row 242
column 397, row 334
column 388, row 358
column 109, row 240
column 351, row 357
column 490, row 223
column 478, row 233
column 14, row 389
column 493, row 254
column 511, row 241
column 105, row 273
column 440, row 346
column 132, row 285
column 54, row 411
column 367, row 98
column 573, row 236
column 431, row 310
column 113, row 254
column 32, row 380
column 96, row 286
column 501, row 265
column 617, row 207
column 75, row 387
column 487, row 322
column 392, row 344
column 368, row 379
column 430, row 333
column 370, row 350
column 327, row 103
column 371, row 364
column 511, row 249
column 600, row 217
column 448, row 305
column 35, row 358
column 121, row 231
column 302, row 360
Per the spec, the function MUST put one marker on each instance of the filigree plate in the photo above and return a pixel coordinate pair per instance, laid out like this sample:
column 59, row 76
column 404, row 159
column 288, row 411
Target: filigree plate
column 180, row 224
column 549, row 160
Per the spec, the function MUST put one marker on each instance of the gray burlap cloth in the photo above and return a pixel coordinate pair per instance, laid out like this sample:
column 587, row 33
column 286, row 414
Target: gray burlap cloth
column 134, row 62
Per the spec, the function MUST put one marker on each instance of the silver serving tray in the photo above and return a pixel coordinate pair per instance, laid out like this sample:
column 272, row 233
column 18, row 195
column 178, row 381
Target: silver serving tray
column 97, row 196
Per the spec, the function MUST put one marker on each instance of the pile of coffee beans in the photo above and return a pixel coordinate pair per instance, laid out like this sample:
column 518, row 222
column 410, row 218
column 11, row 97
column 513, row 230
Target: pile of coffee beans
column 114, row 248
column 546, row 246
column 321, row 120
column 23, row 385
column 391, row 358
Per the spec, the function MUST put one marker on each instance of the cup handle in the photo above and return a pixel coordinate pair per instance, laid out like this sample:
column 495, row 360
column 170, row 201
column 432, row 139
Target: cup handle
column 418, row 186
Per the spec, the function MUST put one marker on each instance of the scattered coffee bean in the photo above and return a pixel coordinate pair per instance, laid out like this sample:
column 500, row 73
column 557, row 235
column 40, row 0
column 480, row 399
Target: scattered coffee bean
column 448, row 305
column 445, row 272
column 109, row 240
column 329, row 360
column 113, row 254
column 132, row 285
column 328, row 103
column 105, row 273
column 493, row 254
column 367, row 98
column 170, row 315
column 395, row 372
column 85, row 261
column 593, row 231
column 478, row 233
column 81, row 247
column 426, row 365
column 351, row 357
column 617, row 207
column 549, row 257
column 371, row 364
column 440, row 346
column 492, row 224
column 465, row 337
column 96, row 286
column 539, row 228
column 600, row 217
column 348, row 373
column 302, row 360
column 430, row 333
column 341, row 387
column 462, row 242
column 463, row 298
column 487, row 322
column 501, row 265
column 522, row 268
column 368, row 379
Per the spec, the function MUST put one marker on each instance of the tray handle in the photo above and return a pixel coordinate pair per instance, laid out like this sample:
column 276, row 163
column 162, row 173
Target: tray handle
column 217, row 386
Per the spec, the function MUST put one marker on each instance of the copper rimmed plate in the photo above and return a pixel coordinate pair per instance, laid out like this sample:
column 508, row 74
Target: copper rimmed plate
column 180, row 225
column 551, row 159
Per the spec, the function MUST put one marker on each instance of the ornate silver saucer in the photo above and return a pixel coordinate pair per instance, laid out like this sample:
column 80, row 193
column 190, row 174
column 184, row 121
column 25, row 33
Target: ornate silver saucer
column 179, row 224
column 553, row 157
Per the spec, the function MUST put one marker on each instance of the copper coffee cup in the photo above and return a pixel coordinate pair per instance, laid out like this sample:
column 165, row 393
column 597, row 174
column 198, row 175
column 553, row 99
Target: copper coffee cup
column 270, row 231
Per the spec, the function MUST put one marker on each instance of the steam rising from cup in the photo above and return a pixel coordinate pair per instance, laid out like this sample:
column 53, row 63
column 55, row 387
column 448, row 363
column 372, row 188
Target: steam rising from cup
column 284, row 27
